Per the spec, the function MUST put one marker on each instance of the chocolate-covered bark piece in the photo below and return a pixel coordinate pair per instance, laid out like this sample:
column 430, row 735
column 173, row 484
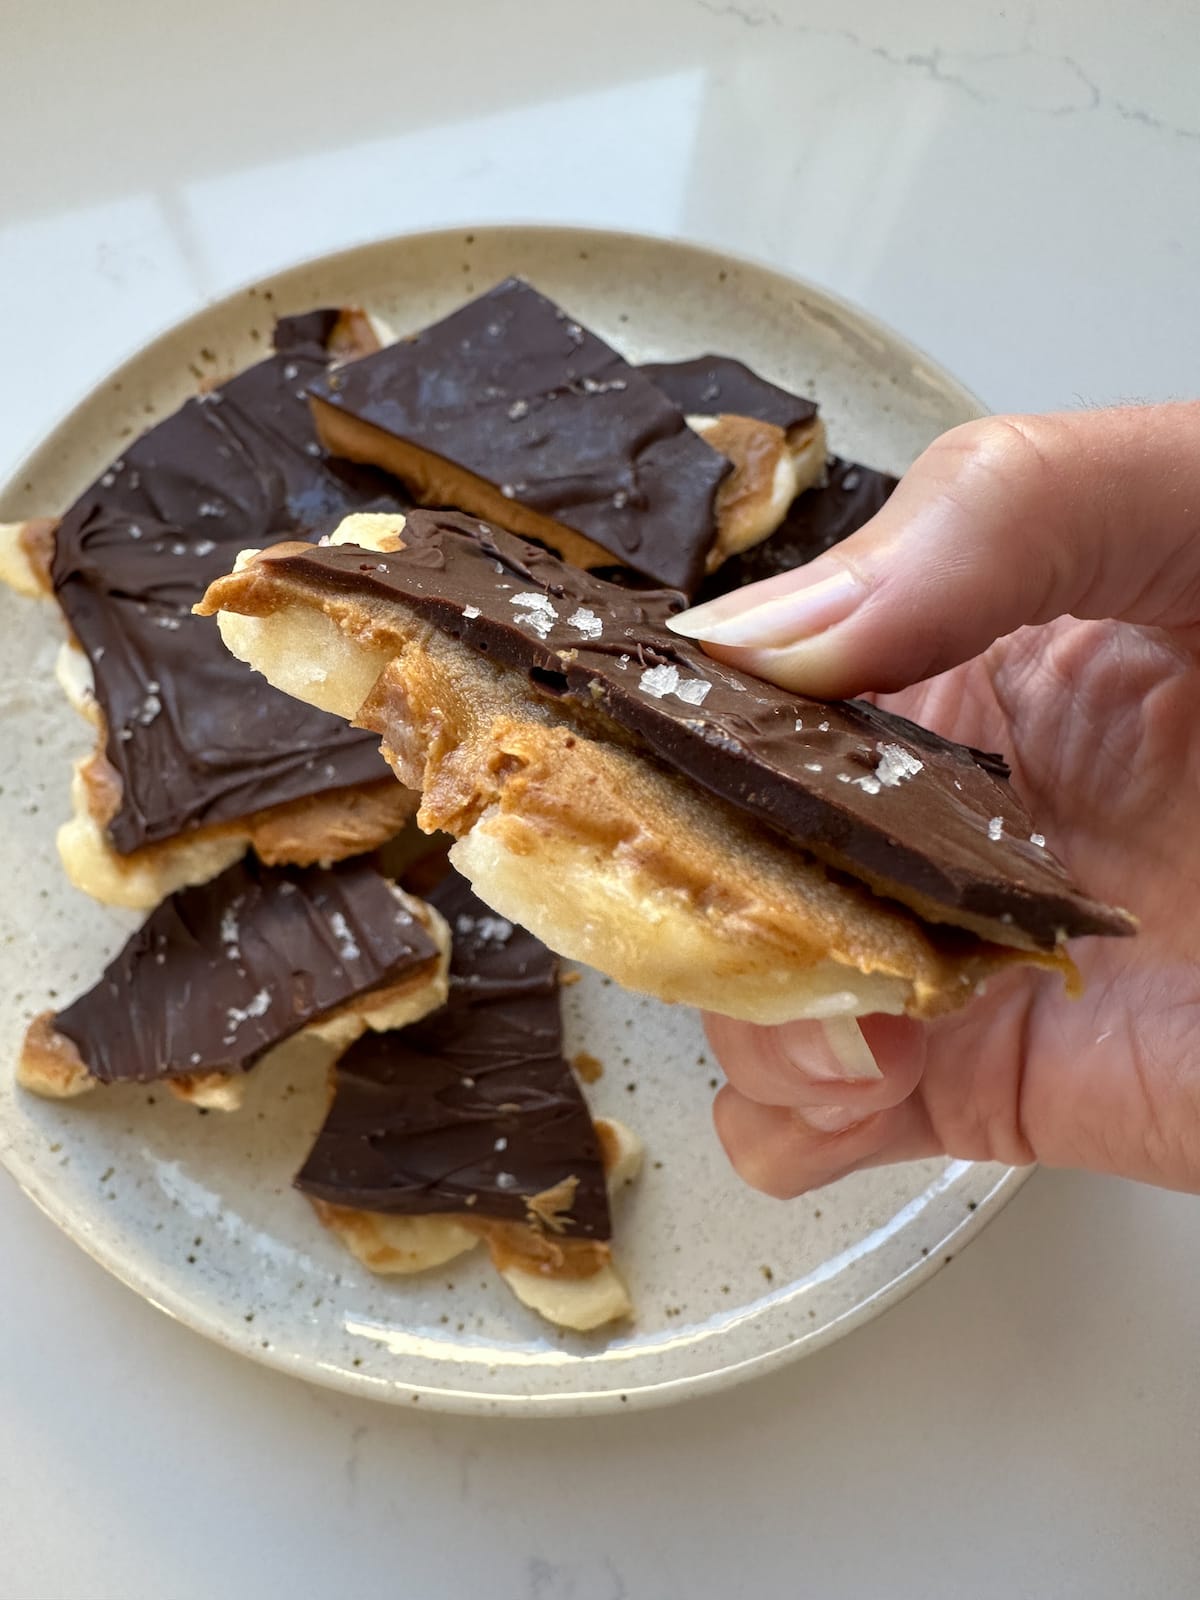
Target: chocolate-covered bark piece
column 223, row 972
column 710, row 385
column 818, row 519
column 511, row 409
column 930, row 823
column 193, row 736
column 472, row 1111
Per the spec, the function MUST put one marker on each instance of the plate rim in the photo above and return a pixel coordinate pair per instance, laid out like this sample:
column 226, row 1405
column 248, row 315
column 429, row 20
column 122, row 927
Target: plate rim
column 124, row 1265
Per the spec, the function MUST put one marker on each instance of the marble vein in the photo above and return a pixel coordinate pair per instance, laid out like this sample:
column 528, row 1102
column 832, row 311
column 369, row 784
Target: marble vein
column 963, row 72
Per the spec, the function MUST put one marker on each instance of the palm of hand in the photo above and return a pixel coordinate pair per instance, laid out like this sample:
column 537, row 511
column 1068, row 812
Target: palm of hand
column 1103, row 719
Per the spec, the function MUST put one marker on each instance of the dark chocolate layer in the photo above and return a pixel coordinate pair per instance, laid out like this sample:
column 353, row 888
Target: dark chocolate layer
column 220, row 974
column 474, row 1109
column 710, row 386
column 514, row 391
column 863, row 789
column 816, row 521
column 195, row 736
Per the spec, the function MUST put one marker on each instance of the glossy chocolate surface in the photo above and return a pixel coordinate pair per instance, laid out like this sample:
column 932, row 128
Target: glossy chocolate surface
column 472, row 1110
column 221, row 973
column 194, row 735
column 515, row 392
column 859, row 787
column 710, row 386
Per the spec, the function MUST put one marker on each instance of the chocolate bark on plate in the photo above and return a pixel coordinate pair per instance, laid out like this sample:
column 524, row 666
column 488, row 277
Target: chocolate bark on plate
column 820, row 518
column 775, row 440
column 195, row 756
column 511, row 409
column 224, row 971
column 775, row 856
column 472, row 1118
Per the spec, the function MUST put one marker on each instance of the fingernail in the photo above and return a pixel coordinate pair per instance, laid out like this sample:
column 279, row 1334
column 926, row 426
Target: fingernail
column 820, row 603
column 829, row 1119
column 833, row 1051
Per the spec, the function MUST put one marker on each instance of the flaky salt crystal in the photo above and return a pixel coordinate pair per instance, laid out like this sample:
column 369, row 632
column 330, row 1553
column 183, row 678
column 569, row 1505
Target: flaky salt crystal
column 659, row 681
column 587, row 622
column 895, row 764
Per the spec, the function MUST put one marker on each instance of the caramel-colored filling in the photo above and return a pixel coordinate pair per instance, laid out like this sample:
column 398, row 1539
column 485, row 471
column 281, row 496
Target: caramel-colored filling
column 37, row 543
column 434, row 481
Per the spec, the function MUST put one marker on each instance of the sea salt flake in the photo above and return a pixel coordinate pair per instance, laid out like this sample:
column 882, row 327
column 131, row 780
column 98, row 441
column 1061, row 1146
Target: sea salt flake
column 347, row 946
column 505, row 1180
column 148, row 710
column 895, row 764
column 813, row 766
column 518, row 409
column 659, row 681
column 210, row 508
column 203, row 547
column 587, row 622
column 868, row 785
column 236, row 1015
column 995, row 828
column 539, row 615
column 291, row 372
column 500, row 1144
column 693, row 691
column 799, row 725
column 822, row 727
column 470, row 612
column 492, row 930
column 1038, row 839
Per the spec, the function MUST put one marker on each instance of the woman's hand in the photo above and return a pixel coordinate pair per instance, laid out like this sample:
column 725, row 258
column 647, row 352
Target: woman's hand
column 964, row 600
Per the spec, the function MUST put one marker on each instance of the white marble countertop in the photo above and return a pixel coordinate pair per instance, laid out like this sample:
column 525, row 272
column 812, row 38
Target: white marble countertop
column 1014, row 188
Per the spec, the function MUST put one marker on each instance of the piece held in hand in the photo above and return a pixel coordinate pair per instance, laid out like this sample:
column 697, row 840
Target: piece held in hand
column 697, row 833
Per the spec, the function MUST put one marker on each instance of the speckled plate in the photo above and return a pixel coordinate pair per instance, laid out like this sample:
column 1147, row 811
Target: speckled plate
column 196, row 1213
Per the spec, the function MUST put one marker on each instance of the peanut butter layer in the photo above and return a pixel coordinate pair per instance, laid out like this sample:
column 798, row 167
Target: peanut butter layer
column 817, row 520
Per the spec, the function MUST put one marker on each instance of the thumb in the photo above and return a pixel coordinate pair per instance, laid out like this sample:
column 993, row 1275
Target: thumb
column 1001, row 522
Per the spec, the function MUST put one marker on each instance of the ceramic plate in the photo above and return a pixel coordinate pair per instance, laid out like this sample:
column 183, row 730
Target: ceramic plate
column 196, row 1212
